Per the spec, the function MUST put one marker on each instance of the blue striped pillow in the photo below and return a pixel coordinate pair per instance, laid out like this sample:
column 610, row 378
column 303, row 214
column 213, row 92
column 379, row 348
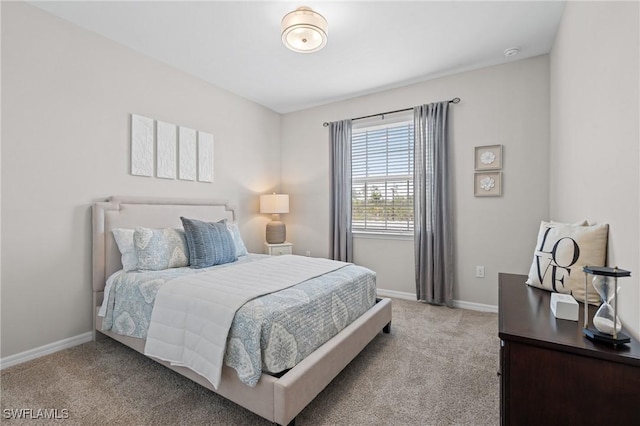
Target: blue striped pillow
column 209, row 243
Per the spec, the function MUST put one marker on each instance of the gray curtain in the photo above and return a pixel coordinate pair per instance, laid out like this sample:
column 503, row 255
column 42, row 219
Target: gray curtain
column 341, row 237
column 432, row 205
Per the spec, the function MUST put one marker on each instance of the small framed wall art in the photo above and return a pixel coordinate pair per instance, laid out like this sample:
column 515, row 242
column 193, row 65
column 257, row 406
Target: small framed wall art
column 487, row 184
column 488, row 157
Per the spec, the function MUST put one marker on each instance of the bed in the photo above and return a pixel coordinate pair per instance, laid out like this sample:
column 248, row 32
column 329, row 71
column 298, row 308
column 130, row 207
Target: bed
column 277, row 399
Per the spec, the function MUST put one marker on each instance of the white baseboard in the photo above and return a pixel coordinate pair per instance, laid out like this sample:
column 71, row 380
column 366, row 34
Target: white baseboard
column 396, row 294
column 16, row 359
column 472, row 306
column 456, row 303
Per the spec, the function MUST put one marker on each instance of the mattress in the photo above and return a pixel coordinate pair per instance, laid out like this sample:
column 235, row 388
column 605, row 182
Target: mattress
column 271, row 333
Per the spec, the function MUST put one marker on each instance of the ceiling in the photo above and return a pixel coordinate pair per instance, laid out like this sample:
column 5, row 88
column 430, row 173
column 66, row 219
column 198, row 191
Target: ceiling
column 372, row 45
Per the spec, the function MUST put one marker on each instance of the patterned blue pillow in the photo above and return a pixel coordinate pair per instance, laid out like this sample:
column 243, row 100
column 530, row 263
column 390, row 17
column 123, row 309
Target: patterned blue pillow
column 159, row 249
column 209, row 243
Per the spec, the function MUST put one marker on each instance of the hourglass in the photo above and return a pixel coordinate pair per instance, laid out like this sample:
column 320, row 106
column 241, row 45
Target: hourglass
column 605, row 320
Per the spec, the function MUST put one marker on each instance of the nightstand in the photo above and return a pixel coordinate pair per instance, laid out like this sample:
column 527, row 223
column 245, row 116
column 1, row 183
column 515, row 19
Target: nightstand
column 278, row 249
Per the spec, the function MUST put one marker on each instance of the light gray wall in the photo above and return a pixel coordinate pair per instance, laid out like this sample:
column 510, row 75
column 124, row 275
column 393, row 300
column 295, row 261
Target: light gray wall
column 508, row 105
column 595, row 148
column 66, row 99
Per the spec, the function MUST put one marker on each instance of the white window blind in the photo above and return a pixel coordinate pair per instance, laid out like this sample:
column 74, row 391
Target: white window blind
column 382, row 178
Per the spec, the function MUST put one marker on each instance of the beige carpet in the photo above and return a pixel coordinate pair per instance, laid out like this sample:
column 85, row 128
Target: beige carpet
column 437, row 367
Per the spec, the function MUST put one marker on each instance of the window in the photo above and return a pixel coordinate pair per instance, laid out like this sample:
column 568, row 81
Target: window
column 382, row 178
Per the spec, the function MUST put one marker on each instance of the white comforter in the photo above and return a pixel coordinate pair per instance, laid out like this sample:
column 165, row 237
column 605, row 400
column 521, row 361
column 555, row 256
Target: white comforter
column 192, row 315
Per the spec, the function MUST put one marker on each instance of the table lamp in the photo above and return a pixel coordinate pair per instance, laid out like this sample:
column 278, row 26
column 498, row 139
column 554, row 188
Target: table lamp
column 275, row 204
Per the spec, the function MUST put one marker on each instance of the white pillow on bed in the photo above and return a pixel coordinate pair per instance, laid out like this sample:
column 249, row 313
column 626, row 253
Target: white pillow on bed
column 241, row 249
column 124, row 240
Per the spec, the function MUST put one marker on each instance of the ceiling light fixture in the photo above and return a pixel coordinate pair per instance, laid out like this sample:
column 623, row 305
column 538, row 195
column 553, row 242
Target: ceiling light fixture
column 512, row 51
column 304, row 30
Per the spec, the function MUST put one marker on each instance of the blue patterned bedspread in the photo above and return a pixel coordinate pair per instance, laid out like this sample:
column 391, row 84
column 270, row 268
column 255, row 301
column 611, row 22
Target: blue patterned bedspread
column 271, row 333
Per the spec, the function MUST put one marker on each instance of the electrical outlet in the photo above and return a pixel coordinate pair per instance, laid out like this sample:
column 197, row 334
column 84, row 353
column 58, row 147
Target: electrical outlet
column 480, row 271
column 308, row 253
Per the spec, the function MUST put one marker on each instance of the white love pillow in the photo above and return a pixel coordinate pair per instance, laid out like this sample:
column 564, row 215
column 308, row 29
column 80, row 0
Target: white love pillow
column 561, row 252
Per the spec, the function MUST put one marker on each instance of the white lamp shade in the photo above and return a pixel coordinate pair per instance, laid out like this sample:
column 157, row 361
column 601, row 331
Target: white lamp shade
column 274, row 203
column 304, row 30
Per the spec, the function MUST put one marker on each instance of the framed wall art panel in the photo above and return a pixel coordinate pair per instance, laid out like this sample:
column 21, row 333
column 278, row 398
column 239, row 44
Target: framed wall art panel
column 205, row 157
column 187, row 154
column 487, row 184
column 167, row 155
column 488, row 157
column 142, row 136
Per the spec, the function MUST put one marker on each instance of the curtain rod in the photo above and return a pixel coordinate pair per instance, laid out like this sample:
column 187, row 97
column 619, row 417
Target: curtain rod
column 452, row 101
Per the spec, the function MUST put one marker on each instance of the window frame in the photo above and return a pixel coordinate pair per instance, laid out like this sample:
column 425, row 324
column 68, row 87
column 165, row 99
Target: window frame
column 407, row 179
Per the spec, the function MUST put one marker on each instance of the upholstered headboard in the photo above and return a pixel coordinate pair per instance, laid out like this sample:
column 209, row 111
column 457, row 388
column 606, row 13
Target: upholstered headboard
column 129, row 212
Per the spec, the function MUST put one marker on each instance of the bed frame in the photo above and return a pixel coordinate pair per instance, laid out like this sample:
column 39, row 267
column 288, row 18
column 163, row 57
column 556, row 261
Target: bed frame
column 279, row 400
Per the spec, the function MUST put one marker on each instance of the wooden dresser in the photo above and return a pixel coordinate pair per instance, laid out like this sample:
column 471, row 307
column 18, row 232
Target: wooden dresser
column 551, row 374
